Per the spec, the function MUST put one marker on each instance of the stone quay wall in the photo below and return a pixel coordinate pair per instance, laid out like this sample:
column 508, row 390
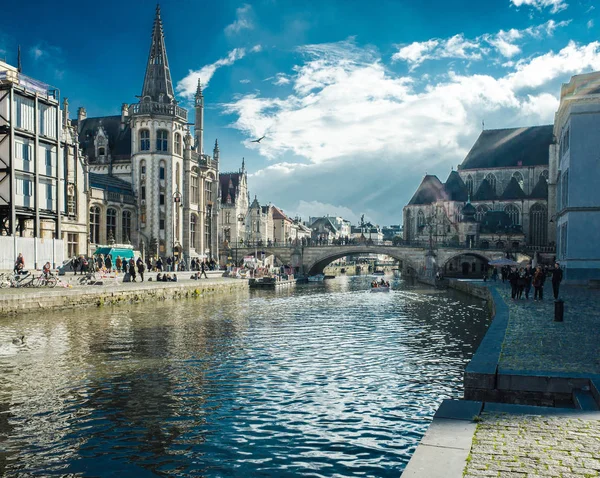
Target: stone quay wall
column 17, row 301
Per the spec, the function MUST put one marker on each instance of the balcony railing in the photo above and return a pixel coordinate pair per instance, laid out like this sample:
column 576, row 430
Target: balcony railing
column 153, row 107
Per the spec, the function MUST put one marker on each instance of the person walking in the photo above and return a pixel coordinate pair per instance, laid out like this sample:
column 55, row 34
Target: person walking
column 203, row 268
column 119, row 263
column 169, row 262
column 83, row 265
column 538, row 284
column 159, row 265
column 528, row 279
column 141, row 267
column 557, row 276
column 513, row 279
column 132, row 269
column 108, row 263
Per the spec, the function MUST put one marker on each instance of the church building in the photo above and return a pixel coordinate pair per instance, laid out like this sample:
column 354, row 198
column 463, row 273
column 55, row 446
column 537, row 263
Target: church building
column 152, row 185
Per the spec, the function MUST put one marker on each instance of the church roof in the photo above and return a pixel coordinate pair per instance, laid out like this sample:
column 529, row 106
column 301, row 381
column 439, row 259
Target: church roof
column 455, row 188
column 513, row 190
column 110, row 183
column 158, row 81
column 540, row 191
column 511, row 147
column 119, row 141
column 429, row 191
column 485, row 192
column 325, row 223
column 225, row 180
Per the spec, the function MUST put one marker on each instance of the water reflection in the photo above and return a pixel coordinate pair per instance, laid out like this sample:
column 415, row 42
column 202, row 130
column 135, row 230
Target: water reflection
column 326, row 380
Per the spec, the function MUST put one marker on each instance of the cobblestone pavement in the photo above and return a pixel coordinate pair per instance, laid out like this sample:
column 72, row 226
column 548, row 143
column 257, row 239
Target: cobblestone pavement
column 535, row 342
column 526, row 446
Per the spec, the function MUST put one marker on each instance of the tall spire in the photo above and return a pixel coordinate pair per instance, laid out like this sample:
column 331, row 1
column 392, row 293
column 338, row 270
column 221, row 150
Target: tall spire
column 19, row 68
column 199, row 91
column 157, row 82
column 243, row 164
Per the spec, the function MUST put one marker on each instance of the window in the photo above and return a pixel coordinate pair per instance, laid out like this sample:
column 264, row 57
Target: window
column 207, row 191
column 143, row 167
column 24, row 192
column 161, row 223
column 492, row 180
column 469, row 183
column 565, row 189
column 143, row 192
column 162, row 138
column 126, row 227
column 178, row 143
column 420, row 220
column 23, row 155
column 47, row 120
column 72, row 245
column 161, row 172
column 513, row 213
column 111, row 224
column 207, row 228
column 565, row 142
column 538, row 225
column 193, row 231
column 162, row 199
column 101, row 151
column 25, row 113
column 177, row 175
column 71, row 200
column 144, row 140
column 94, row 224
column 48, row 162
column 194, row 190
column 49, row 194
column 480, row 212
column 228, row 217
column 519, row 177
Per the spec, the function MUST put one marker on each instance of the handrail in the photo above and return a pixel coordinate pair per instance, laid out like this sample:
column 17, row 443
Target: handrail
column 153, row 107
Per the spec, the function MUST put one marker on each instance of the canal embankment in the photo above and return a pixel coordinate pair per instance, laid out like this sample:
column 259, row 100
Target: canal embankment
column 112, row 292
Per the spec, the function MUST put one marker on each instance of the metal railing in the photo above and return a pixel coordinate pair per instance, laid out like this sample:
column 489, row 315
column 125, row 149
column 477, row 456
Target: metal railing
column 153, row 107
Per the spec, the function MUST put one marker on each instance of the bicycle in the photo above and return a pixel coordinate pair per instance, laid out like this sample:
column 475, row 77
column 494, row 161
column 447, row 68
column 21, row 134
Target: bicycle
column 87, row 278
column 45, row 281
column 16, row 279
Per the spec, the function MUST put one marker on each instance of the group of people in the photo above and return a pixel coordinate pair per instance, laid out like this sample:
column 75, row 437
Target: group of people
column 166, row 277
column 522, row 279
column 381, row 283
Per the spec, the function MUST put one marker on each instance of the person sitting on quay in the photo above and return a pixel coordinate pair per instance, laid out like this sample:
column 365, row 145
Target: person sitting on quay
column 174, row 279
column 166, row 278
column 159, row 277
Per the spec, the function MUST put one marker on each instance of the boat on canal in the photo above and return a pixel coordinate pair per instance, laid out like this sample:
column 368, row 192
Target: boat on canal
column 316, row 278
column 380, row 288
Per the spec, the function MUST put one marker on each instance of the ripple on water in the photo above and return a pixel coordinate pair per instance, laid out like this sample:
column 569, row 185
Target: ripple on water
column 326, row 381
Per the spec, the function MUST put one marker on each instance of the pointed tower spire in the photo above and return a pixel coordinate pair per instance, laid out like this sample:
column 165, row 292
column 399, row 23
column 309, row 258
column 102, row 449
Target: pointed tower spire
column 199, row 91
column 19, row 67
column 216, row 151
column 199, row 123
column 157, row 82
column 243, row 164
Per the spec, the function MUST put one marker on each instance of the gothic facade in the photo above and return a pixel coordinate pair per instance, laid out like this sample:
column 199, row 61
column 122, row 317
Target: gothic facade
column 233, row 207
column 505, row 178
column 152, row 185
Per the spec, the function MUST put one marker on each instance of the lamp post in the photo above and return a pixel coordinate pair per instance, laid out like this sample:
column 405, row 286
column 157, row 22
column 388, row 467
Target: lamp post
column 176, row 204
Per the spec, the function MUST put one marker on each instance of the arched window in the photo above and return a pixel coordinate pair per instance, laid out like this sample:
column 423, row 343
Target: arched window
column 161, row 171
column 420, row 219
column 193, row 221
column 111, row 224
column 538, row 225
column 126, row 227
column 94, row 225
column 144, row 140
column 492, row 180
column 162, row 140
column 101, row 151
column 207, row 191
column 177, row 143
column 499, row 245
column 519, row 177
column 484, row 244
column 513, row 213
column 480, row 212
column 469, row 183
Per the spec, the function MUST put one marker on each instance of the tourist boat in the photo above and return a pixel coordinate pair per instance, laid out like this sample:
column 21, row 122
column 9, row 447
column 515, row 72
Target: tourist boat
column 380, row 288
column 316, row 278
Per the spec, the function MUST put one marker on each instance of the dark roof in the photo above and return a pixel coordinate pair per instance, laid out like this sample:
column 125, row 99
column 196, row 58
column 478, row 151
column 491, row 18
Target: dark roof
column 485, row 192
column 540, row 191
column 500, row 148
column 429, row 191
column 513, row 190
column 455, row 188
column 225, row 179
column 110, row 183
column 255, row 203
column 119, row 141
column 325, row 222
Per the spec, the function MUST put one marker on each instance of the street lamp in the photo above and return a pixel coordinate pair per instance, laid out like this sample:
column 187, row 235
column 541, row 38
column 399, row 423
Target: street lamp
column 176, row 204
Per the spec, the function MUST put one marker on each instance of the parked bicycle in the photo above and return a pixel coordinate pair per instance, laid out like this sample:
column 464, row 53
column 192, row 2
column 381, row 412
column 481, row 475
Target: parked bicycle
column 45, row 280
column 16, row 279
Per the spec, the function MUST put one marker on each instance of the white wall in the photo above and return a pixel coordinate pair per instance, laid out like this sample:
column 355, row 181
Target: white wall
column 36, row 252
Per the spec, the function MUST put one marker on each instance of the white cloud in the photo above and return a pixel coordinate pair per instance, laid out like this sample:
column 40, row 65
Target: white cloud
column 186, row 87
column 281, row 79
column 555, row 5
column 242, row 21
column 458, row 47
column 245, row 81
column 590, row 24
column 362, row 135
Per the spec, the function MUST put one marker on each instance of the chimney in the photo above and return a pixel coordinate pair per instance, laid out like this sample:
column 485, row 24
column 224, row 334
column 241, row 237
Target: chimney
column 124, row 115
column 81, row 115
column 65, row 112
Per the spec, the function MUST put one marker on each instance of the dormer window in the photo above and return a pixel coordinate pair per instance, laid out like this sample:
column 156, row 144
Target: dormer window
column 101, row 151
column 144, row 140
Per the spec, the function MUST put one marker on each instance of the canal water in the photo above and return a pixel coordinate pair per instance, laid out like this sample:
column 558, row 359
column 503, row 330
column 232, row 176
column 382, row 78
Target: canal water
column 323, row 380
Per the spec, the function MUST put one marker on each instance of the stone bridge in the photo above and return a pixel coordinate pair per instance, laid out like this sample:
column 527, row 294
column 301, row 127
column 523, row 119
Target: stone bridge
column 313, row 259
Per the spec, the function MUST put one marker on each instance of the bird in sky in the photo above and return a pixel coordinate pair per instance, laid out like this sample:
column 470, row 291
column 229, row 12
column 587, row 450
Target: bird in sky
column 257, row 140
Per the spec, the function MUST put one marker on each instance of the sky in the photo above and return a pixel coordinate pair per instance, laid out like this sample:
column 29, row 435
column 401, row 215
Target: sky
column 357, row 100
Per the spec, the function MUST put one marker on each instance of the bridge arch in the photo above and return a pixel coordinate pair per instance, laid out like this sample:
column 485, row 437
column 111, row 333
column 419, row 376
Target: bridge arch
column 317, row 264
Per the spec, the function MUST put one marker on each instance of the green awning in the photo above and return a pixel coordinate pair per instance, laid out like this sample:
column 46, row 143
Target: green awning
column 115, row 252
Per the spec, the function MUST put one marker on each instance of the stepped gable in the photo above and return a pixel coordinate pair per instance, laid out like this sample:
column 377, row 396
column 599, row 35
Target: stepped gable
column 229, row 183
column 513, row 190
column 511, row 147
column 540, row 191
column 485, row 192
column 429, row 191
column 119, row 141
column 456, row 188
column 110, row 183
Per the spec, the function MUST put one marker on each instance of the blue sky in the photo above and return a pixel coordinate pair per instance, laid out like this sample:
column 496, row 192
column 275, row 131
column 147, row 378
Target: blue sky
column 358, row 100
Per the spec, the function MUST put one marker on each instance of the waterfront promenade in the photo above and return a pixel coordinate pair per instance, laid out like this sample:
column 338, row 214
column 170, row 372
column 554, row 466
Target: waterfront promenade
column 537, row 360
